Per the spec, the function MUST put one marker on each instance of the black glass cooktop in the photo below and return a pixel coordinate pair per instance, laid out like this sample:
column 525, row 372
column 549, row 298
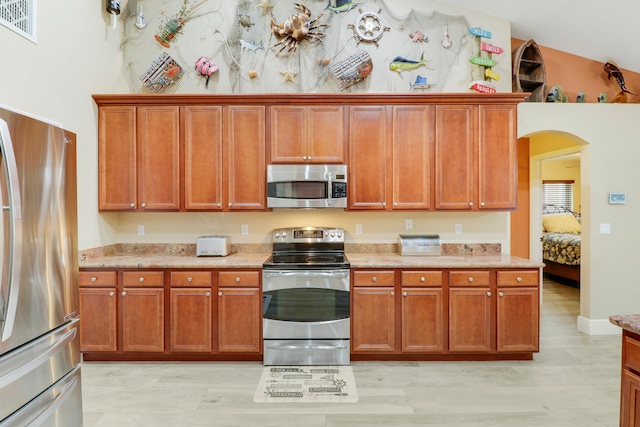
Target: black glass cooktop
column 307, row 260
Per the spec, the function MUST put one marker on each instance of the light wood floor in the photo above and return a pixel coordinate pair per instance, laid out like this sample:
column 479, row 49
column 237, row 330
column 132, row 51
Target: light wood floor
column 573, row 381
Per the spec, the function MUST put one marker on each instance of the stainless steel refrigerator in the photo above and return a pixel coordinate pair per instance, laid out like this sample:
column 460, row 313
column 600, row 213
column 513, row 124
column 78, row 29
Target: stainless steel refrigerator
column 39, row 339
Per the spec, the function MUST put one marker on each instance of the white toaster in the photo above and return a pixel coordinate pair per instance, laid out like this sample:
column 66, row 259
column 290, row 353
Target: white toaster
column 213, row 246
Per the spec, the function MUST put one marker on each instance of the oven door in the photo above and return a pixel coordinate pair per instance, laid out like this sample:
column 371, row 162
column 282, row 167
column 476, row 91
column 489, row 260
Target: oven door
column 306, row 304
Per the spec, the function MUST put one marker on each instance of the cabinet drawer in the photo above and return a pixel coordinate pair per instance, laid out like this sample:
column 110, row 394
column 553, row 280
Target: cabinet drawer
column 142, row 278
column 422, row 278
column 632, row 354
column 191, row 278
column 469, row 278
column 373, row 278
column 240, row 279
column 517, row 278
column 97, row 278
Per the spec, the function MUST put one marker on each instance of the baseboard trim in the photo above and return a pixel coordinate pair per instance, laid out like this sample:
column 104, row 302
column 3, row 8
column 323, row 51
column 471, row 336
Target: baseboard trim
column 597, row 326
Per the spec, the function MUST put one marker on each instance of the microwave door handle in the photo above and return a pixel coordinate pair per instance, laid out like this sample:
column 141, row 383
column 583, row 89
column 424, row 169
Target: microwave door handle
column 330, row 198
column 15, row 232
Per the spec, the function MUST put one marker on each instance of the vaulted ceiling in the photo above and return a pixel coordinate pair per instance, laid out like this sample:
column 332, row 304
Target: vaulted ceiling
column 594, row 29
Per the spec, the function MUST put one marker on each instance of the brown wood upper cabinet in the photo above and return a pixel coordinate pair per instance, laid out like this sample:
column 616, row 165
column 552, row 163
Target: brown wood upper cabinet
column 475, row 157
column 139, row 158
column 145, row 151
column 307, row 134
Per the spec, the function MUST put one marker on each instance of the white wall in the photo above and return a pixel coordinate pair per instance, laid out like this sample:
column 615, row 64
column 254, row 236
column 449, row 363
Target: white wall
column 609, row 163
column 77, row 55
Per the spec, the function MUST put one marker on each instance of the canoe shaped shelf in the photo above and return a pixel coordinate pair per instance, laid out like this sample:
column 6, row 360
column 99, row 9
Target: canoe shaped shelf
column 528, row 72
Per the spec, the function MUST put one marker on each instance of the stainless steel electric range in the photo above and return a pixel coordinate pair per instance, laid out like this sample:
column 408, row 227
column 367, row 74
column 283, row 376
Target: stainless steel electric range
column 306, row 297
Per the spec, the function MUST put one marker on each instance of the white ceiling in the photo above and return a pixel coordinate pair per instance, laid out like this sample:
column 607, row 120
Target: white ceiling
column 594, row 29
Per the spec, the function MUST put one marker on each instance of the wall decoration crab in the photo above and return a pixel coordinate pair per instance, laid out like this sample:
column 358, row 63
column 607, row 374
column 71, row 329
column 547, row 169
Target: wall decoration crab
column 296, row 28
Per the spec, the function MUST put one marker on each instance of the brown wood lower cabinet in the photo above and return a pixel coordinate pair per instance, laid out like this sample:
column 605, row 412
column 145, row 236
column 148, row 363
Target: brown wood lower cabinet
column 170, row 315
column 630, row 383
column 453, row 314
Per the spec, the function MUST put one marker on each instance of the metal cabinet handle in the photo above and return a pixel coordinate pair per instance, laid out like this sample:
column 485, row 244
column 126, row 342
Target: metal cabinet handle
column 189, row 279
column 237, row 278
column 481, row 204
column 124, row 293
column 392, row 293
column 404, row 294
column 519, row 279
column 471, row 204
column 384, row 204
column 141, row 279
column 488, row 294
column 133, row 205
column 219, row 294
column 94, row 278
column 206, row 294
column 395, row 204
column 470, row 279
column 144, row 205
column 111, row 293
column 304, row 157
column 422, row 279
column 374, row 279
column 230, row 204
column 501, row 294
column 218, row 204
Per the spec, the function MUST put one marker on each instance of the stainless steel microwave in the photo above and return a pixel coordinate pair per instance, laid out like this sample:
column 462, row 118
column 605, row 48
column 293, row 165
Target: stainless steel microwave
column 307, row 186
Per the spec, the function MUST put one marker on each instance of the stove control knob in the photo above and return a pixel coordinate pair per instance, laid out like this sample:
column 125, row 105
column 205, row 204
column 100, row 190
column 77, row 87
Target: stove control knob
column 339, row 234
column 284, row 234
column 332, row 234
column 277, row 234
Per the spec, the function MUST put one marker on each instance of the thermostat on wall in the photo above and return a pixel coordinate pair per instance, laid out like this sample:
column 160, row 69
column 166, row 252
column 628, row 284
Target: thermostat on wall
column 617, row 198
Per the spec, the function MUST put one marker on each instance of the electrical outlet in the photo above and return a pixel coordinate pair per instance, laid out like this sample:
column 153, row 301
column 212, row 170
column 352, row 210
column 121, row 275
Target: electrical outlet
column 244, row 229
column 141, row 230
column 358, row 228
column 408, row 224
column 458, row 228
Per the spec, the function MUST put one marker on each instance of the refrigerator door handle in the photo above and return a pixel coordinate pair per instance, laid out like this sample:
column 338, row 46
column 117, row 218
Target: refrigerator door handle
column 37, row 361
column 27, row 416
column 15, row 233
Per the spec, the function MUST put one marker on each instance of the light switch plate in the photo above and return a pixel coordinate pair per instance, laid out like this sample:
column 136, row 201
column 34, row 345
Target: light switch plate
column 605, row 228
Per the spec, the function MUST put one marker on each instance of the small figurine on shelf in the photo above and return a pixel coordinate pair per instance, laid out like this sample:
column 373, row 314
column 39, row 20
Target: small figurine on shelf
column 602, row 98
column 612, row 70
column 582, row 98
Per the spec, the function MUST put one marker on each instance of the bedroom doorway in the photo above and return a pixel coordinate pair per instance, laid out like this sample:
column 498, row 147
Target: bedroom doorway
column 552, row 158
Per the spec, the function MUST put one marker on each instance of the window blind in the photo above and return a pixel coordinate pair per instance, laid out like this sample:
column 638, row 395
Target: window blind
column 558, row 193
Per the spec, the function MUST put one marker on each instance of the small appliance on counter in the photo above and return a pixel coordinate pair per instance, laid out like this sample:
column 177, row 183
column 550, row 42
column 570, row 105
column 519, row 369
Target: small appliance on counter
column 419, row 244
column 215, row 245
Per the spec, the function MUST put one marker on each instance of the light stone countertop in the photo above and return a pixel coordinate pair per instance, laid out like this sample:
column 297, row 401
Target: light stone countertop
column 393, row 260
column 253, row 256
column 629, row 322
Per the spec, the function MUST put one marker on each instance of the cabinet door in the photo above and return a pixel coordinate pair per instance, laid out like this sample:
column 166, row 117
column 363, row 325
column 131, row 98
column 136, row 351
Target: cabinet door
column 367, row 157
column 630, row 399
column 190, row 320
column 117, row 177
column 326, row 134
column 98, row 324
column 203, row 158
column 245, row 158
column 239, row 320
column 158, row 145
column 469, row 320
column 143, row 319
column 422, row 320
column 454, row 156
column 497, row 157
column 373, row 319
column 288, row 134
column 413, row 128
column 517, row 319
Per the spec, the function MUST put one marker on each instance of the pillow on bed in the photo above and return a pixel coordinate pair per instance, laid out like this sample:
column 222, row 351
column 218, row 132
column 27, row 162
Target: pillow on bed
column 561, row 223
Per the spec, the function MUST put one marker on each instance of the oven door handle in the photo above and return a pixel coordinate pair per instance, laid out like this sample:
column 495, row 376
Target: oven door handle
column 322, row 273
